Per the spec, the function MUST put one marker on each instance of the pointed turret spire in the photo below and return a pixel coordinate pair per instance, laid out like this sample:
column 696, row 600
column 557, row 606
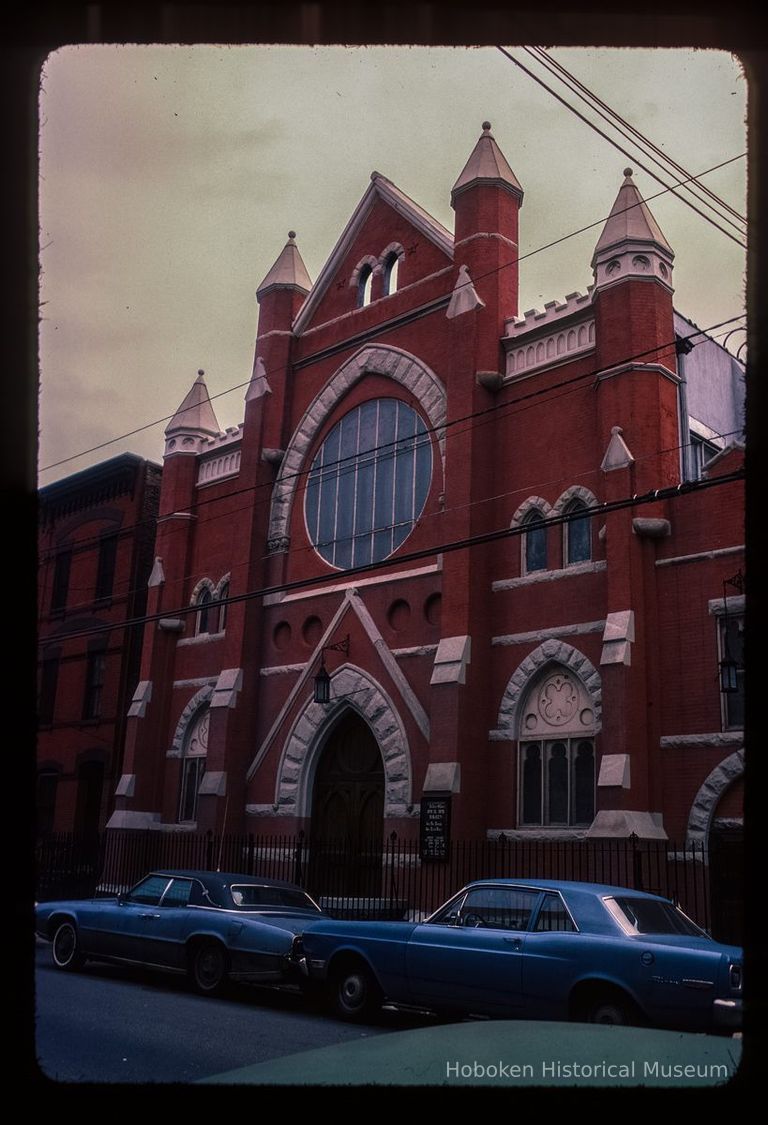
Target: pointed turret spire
column 193, row 421
column 288, row 272
column 488, row 165
column 631, row 242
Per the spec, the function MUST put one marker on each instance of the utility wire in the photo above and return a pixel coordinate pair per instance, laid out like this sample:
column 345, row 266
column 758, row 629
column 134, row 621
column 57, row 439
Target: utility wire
column 621, row 149
column 625, row 128
column 481, row 277
column 483, row 539
column 438, row 431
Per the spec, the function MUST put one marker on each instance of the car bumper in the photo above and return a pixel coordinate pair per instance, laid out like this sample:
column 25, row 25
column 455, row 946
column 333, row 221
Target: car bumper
column 727, row 1013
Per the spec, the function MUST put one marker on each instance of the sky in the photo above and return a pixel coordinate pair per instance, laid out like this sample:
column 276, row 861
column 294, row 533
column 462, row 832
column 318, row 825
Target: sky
column 170, row 177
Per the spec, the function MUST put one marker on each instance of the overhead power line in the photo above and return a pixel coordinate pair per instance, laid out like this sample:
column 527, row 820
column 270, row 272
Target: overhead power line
column 438, row 430
column 604, row 508
column 489, row 273
column 621, row 149
column 626, row 129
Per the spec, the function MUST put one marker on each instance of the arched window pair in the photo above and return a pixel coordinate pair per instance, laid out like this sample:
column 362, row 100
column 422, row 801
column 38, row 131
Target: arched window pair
column 210, row 618
column 577, row 537
column 390, row 270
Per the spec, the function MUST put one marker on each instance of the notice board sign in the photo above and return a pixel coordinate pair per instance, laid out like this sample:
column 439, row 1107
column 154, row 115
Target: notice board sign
column 435, row 826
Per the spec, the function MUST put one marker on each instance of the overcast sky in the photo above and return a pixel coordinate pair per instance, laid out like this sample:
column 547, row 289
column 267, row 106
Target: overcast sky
column 170, row 177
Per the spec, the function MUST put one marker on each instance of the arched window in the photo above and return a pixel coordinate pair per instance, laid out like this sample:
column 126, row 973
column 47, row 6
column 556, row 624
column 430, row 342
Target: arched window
column 193, row 766
column 364, row 282
column 391, row 270
column 203, row 611
column 577, row 533
column 556, row 775
column 534, row 542
column 368, row 483
column 223, row 593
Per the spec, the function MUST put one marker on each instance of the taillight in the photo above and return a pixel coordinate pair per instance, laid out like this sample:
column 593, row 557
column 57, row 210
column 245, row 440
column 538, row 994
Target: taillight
column 735, row 977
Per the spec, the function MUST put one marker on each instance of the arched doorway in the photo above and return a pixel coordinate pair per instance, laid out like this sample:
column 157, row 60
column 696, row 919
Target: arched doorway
column 348, row 812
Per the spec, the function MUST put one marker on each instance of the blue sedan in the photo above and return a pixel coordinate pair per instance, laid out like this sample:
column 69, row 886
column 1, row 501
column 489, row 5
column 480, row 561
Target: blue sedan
column 534, row 949
column 213, row 926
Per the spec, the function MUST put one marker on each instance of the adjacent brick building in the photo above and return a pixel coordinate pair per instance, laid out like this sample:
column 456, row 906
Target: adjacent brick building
column 516, row 631
column 97, row 530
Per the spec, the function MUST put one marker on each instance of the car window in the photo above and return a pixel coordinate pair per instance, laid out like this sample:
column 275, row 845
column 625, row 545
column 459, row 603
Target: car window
column 178, row 893
column 647, row 916
column 553, row 916
column 149, row 891
column 252, row 896
column 498, row 908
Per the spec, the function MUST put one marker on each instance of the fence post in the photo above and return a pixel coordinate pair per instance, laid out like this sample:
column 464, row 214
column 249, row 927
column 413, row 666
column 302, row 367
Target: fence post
column 392, row 879
column 298, row 872
column 637, row 863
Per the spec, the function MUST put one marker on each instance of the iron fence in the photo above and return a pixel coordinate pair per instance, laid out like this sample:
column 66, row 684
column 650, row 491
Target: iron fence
column 377, row 879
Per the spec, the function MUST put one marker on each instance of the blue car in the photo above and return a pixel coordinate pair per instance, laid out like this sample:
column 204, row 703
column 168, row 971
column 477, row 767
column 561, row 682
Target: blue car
column 533, row 949
column 213, row 926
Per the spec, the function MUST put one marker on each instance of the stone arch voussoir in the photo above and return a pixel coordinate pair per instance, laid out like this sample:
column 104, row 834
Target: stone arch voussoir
column 393, row 363
column 708, row 797
column 355, row 690
column 187, row 717
column 551, row 652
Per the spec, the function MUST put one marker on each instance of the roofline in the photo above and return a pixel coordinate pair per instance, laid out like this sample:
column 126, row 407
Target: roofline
column 92, row 474
column 399, row 201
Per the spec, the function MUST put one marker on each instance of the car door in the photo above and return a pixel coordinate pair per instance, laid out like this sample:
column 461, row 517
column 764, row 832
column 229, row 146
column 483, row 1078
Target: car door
column 471, row 957
column 132, row 933
column 165, row 929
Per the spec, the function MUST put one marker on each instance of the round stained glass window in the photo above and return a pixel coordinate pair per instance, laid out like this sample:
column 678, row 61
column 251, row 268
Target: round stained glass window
column 368, row 483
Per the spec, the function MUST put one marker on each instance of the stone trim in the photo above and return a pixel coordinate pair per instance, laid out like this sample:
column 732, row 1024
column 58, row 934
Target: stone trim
column 550, row 575
column 394, row 363
column 354, row 584
column 575, row 492
column 201, row 639
column 706, row 800
column 188, row 715
column 537, row 833
column 702, row 556
column 214, row 469
column 706, row 741
column 307, row 737
column 553, row 348
column 550, row 652
column 533, row 319
column 142, row 696
column 623, row 368
column 546, row 634
column 417, row 650
column 369, row 260
column 199, row 681
column 281, row 669
column 735, row 606
column 532, row 504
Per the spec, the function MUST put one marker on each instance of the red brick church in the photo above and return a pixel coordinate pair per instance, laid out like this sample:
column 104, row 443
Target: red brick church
column 507, row 547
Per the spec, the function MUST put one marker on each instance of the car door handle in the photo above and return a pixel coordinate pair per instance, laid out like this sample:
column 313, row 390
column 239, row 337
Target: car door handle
column 513, row 941
column 149, row 916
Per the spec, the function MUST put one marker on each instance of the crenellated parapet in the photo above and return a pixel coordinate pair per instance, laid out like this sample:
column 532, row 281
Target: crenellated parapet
column 220, row 456
column 563, row 330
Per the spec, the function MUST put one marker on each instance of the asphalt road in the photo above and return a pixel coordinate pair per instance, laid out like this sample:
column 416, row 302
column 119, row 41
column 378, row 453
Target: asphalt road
column 112, row 1024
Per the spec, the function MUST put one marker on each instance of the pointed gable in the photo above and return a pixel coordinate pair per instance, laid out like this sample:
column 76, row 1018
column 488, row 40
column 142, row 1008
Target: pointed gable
column 384, row 216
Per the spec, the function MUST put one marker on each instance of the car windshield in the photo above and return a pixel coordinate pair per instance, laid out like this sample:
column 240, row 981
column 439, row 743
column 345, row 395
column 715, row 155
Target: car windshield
column 649, row 917
column 250, row 896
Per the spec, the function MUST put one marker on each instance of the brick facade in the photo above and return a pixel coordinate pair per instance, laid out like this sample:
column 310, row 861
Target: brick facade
column 576, row 692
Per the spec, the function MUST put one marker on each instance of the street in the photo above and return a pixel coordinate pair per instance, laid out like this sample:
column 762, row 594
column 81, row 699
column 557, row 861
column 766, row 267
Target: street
column 111, row 1023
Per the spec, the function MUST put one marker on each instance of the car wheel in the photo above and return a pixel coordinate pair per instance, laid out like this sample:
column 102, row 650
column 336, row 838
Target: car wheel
column 208, row 968
column 356, row 994
column 66, row 948
column 616, row 1012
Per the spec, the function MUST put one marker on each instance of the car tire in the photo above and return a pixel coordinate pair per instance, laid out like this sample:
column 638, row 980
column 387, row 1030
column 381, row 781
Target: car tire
column 612, row 1012
column 65, row 948
column 208, row 968
column 355, row 993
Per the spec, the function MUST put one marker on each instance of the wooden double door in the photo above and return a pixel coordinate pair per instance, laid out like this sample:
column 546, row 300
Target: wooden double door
column 348, row 812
